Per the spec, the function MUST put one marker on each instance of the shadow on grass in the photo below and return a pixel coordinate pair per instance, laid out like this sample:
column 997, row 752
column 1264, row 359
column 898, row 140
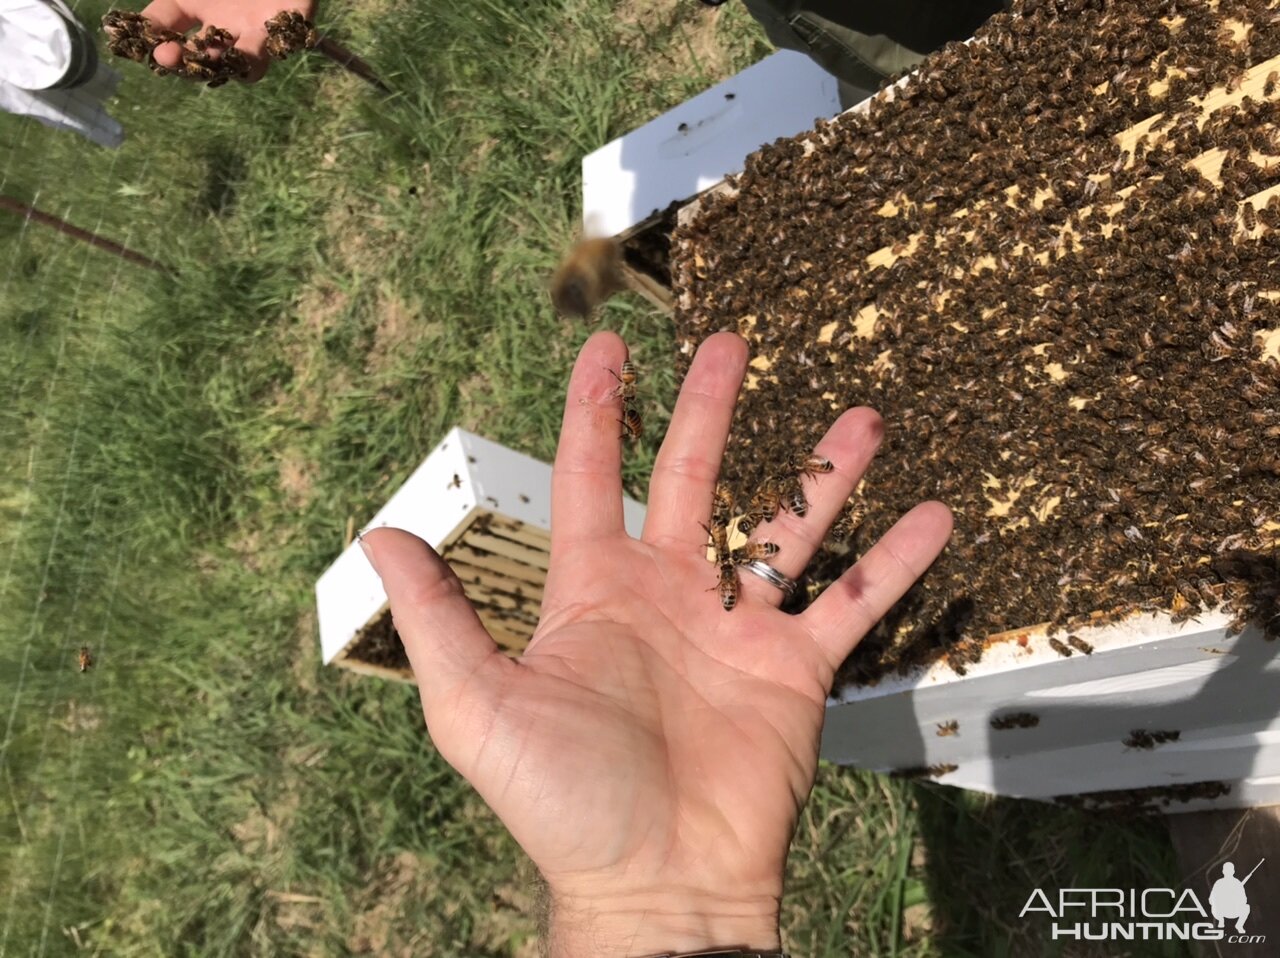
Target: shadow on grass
column 226, row 169
column 985, row 856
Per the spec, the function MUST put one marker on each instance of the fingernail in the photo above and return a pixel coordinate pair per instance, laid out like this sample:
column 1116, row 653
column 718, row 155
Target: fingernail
column 368, row 553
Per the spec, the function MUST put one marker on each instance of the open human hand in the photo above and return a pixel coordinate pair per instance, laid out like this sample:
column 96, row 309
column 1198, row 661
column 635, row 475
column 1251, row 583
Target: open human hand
column 650, row 751
column 245, row 20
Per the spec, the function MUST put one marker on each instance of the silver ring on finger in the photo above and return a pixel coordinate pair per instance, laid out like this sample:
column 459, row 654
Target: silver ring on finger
column 772, row 576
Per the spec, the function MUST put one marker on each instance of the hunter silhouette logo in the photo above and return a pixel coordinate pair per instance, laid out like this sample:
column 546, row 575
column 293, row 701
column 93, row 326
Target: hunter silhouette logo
column 1228, row 898
column 1149, row 914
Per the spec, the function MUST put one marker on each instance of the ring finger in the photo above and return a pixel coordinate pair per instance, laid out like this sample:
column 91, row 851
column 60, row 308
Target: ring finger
column 849, row 445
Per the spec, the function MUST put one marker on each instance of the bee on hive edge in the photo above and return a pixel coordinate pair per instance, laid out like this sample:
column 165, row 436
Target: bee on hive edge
column 1015, row 720
column 946, row 729
column 589, row 274
column 85, row 658
column 1079, row 644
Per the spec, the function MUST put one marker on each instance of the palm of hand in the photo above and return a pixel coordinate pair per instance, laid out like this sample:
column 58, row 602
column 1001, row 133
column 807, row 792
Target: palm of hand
column 648, row 739
column 245, row 19
column 639, row 721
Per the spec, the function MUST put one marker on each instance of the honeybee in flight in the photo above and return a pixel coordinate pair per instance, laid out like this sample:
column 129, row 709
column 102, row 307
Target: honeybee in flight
column 85, row 658
column 589, row 274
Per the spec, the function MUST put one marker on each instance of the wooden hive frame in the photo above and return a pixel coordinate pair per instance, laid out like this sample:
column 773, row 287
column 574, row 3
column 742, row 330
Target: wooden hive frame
column 1146, row 672
column 487, row 510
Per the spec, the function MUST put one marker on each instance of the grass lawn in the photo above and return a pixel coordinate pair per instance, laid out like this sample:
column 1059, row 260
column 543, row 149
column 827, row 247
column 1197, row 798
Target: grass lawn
column 357, row 274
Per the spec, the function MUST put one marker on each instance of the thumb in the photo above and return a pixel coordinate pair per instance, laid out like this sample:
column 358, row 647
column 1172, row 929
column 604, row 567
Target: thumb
column 444, row 638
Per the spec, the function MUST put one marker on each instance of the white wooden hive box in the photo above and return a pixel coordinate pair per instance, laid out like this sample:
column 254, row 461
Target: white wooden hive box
column 1145, row 674
column 487, row 510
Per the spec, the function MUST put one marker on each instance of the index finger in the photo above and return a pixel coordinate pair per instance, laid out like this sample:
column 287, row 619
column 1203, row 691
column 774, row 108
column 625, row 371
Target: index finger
column 586, row 483
column 170, row 14
column 253, row 44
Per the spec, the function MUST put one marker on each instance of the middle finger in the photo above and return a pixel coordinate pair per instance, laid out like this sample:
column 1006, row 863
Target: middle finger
column 850, row 444
column 684, row 475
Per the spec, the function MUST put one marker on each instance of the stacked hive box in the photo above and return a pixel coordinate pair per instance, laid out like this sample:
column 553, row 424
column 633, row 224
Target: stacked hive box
column 1048, row 259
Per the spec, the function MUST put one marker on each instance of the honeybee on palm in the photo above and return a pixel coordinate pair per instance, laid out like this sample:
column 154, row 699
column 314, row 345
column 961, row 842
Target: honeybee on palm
column 589, row 274
column 793, row 497
column 813, row 466
column 727, row 585
column 632, row 424
column 751, row 551
column 718, row 539
column 764, row 506
column 626, row 377
column 722, row 506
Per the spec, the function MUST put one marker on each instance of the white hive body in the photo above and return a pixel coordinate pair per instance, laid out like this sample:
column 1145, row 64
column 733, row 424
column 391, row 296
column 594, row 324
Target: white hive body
column 487, row 510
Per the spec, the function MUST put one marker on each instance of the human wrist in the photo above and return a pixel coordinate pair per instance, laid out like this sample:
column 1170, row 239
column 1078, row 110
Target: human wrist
column 675, row 920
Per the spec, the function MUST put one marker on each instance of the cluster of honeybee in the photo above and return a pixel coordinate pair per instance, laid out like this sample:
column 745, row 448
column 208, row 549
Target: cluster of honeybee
column 132, row 35
column 1141, row 738
column 209, row 56
column 727, row 560
column 782, row 492
column 288, row 32
column 626, row 389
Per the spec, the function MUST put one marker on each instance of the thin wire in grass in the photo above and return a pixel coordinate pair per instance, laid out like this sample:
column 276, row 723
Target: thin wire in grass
column 69, row 642
column 53, row 540
column 22, row 233
column 4, row 743
column 78, row 749
column 29, row 213
column 47, row 273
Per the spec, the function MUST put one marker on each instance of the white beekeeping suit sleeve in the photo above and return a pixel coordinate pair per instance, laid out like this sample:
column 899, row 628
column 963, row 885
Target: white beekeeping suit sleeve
column 49, row 70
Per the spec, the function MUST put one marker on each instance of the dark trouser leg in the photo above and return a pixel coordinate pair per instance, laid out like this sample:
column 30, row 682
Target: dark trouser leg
column 862, row 43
